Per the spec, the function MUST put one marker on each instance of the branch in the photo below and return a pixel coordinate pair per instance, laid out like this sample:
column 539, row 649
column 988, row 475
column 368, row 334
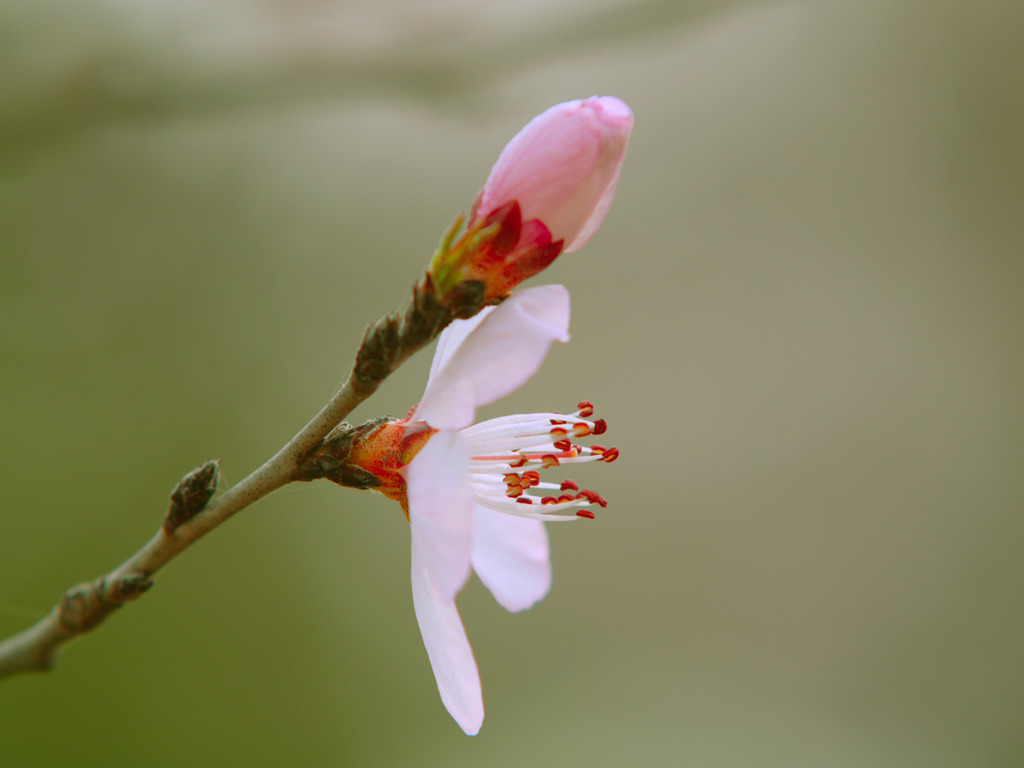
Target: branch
column 386, row 345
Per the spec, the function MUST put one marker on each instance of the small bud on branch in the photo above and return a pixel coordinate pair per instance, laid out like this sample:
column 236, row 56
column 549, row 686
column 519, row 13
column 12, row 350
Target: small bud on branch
column 84, row 606
column 396, row 336
column 191, row 495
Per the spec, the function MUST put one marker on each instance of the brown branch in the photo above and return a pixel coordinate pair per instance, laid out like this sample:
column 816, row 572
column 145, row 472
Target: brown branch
column 386, row 345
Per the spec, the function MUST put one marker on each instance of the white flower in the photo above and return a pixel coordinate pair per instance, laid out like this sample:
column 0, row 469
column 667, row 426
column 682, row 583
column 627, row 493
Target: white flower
column 467, row 488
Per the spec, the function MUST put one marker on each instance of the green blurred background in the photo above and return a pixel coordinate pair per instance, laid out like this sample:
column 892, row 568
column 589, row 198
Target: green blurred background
column 803, row 320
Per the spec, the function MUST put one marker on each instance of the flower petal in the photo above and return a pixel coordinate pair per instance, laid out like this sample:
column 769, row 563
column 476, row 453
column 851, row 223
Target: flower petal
column 562, row 166
column 511, row 557
column 616, row 124
column 440, row 510
column 452, row 338
column 497, row 357
column 451, row 657
column 597, row 216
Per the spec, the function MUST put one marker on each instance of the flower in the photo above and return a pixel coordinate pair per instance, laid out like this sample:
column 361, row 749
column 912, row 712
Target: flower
column 466, row 488
column 549, row 192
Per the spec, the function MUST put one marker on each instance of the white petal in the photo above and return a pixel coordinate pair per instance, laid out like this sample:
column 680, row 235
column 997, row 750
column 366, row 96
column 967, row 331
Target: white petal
column 448, row 649
column 452, row 337
column 440, row 510
column 497, row 357
column 511, row 557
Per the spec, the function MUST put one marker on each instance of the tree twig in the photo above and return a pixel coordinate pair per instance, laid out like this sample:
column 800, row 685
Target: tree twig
column 386, row 345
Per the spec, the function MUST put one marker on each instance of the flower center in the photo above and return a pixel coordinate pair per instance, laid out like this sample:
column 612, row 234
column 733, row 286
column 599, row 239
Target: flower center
column 386, row 450
column 507, row 456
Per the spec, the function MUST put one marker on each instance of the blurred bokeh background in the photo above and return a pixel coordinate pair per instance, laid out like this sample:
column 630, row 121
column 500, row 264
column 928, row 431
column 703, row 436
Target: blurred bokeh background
column 803, row 320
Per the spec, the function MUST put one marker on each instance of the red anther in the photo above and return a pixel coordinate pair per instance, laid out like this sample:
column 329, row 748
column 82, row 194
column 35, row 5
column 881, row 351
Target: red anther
column 563, row 445
column 530, row 479
column 569, row 485
column 581, row 429
column 511, row 479
column 597, row 449
column 549, row 500
column 611, row 455
column 586, row 409
column 549, row 460
column 593, row 498
column 524, row 500
column 558, row 433
column 585, row 513
column 514, row 492
column 566, row 497
column 600, row 427
column 556, row 422
column 519, row 461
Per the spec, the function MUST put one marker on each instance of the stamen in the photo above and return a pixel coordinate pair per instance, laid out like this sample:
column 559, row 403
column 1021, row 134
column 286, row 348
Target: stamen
column 509, row 454
column 593, row 498
column 581, row 458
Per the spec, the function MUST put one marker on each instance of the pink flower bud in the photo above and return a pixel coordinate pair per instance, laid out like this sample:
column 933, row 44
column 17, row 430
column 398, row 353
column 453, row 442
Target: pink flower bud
column 548, row 193
column 562, row 169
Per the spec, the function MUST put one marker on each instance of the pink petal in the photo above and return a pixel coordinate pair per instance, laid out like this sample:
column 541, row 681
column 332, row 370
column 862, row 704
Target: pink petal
column 562, row 167
column 497, row 358
column 511, row 557
column 440, row 510
column 596, row 217
column 448, row 649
